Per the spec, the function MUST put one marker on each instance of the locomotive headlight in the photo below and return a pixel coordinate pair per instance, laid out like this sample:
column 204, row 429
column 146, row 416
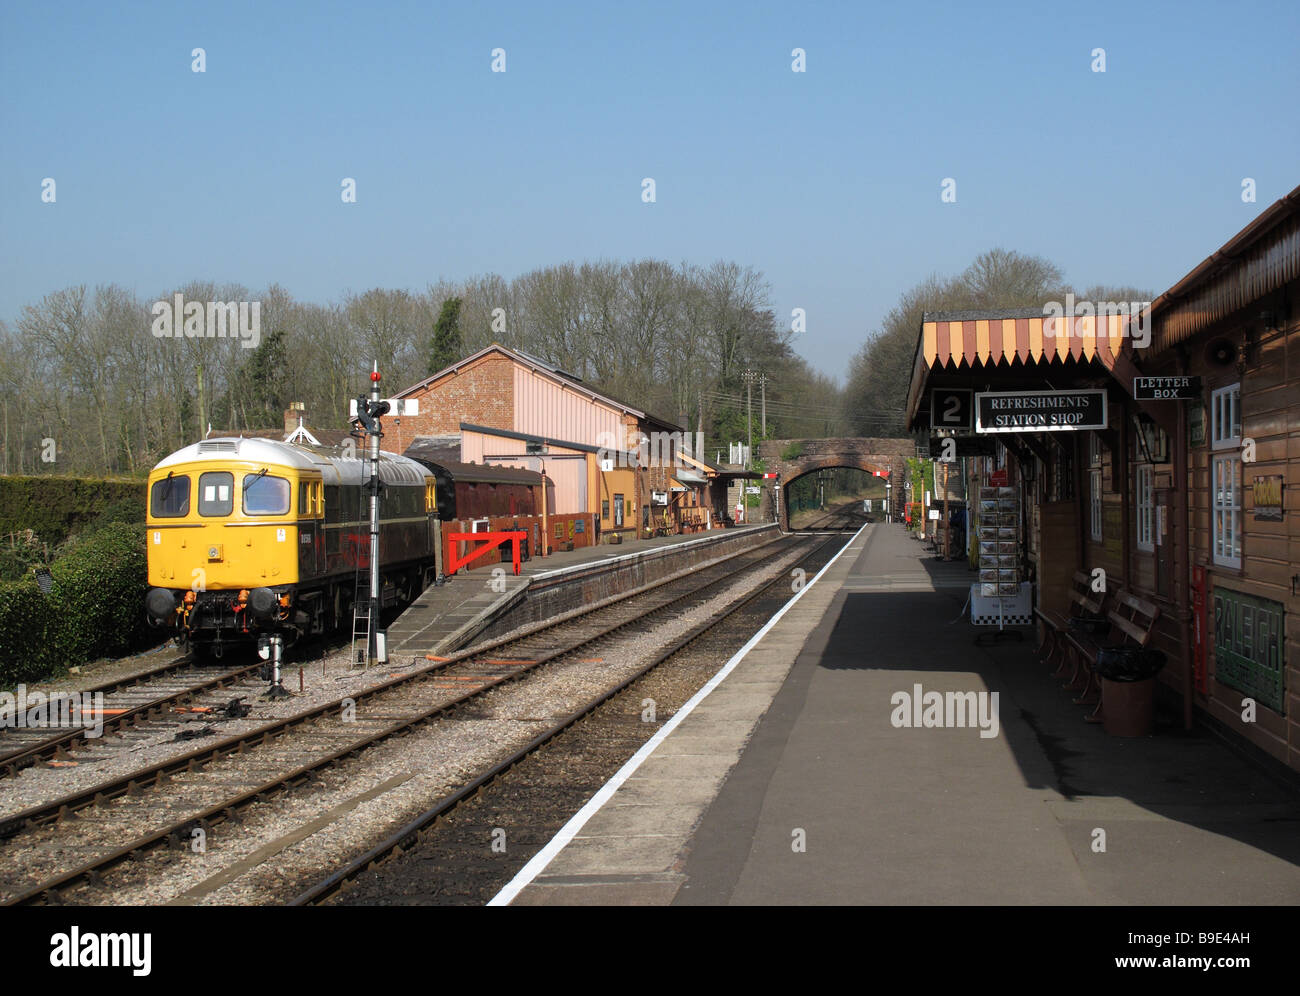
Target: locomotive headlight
column 160, row 604
column 262, row 602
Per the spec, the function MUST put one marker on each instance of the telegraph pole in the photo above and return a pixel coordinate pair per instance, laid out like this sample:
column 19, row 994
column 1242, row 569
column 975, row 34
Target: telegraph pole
column 762, row 393
column 749, row 413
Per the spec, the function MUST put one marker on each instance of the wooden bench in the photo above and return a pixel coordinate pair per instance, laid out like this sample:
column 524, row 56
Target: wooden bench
column 1132, row 621
column 1084, row 604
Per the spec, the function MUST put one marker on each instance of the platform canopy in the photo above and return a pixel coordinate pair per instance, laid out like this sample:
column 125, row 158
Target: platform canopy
column 1008, row 349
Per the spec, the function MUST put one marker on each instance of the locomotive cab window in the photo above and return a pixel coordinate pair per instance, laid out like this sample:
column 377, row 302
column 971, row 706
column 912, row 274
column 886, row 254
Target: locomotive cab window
column 216, row 493
column 170, row 497
column 304, row 498
column 265, row 495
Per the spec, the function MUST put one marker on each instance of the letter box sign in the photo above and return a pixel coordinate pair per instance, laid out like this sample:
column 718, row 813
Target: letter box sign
column 1166, row 388
column 1249, row 646
column 1040, row 411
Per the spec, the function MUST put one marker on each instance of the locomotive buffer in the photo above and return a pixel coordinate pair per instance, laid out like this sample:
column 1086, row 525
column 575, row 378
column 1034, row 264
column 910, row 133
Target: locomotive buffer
column 368, row 414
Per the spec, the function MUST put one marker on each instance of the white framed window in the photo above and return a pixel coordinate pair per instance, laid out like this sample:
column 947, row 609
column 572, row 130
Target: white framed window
column 1225, row 479
column 1225, row 474
column 1225, row 417
column 1094, row 503
column 1145, row 481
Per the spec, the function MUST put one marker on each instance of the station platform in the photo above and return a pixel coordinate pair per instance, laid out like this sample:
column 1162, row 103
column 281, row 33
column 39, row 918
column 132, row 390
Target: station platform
column 448, row 616
column 789, row 783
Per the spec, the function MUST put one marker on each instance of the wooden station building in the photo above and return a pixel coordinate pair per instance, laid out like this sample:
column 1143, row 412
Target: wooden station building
column 1161, row 447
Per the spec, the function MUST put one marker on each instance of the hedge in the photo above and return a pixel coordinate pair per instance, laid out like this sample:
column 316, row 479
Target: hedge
column 95, row 607
column 55, row 507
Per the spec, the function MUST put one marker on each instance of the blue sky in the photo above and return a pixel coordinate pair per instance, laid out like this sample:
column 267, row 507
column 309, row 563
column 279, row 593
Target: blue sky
column 828, row 181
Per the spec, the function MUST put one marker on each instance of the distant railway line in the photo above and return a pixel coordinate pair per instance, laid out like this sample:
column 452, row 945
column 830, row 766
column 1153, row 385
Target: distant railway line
column 844, row 516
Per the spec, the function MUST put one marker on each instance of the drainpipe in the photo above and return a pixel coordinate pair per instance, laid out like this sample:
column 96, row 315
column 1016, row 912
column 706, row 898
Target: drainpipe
column 1182, row 557
column 546, row 535
column 637, row 481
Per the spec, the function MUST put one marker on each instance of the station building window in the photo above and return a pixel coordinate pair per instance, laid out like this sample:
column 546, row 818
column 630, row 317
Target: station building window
column 1225, row 474
column 1145, row 484
column 1225, row 417
column 1226, row 481
column 1059, row 485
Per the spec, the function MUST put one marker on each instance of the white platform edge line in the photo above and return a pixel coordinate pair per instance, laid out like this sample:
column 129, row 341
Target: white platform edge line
column 579, row 819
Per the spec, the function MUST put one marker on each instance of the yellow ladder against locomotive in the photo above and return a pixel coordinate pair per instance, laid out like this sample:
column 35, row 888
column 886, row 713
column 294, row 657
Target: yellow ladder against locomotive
column 360, row 610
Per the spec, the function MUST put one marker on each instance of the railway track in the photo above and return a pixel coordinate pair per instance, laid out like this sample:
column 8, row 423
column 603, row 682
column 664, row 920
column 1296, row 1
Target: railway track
column 442, row 856
column 846, row 515
column 128, row 701
column 71, row 841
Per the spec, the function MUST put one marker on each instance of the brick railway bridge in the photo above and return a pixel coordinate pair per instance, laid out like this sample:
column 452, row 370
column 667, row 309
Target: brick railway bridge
column 791, row 459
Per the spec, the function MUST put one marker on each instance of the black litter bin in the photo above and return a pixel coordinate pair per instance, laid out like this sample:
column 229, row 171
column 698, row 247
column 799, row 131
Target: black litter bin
column 1128, row 684
column 1089, row 626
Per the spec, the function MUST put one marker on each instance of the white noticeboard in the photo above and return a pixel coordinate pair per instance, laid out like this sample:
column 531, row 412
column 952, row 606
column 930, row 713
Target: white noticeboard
column 934, row 515
column 752, row 491
column 406, row 406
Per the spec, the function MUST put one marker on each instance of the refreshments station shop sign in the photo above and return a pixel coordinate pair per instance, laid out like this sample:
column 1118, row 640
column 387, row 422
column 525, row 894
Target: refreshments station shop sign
column 1040, row 411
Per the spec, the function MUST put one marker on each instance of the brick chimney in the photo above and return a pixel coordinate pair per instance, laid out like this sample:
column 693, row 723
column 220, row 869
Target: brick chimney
column 294, row 416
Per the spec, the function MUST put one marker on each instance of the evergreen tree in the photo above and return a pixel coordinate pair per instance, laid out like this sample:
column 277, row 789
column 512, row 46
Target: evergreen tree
column 448, row 344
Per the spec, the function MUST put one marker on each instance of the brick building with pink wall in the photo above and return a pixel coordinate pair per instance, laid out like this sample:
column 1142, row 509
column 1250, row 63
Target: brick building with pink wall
column 504, row 407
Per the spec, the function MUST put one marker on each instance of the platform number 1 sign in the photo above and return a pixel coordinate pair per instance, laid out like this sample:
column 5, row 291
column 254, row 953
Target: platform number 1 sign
column 951, row 408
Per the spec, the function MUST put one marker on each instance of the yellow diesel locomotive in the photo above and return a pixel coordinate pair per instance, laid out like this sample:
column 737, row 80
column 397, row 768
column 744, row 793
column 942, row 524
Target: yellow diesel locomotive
column 252, row 537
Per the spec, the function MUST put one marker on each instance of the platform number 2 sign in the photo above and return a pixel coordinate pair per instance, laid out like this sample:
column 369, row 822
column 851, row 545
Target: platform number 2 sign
column 951, row 408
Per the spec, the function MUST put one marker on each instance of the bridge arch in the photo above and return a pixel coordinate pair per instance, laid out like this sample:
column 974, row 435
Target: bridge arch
column 791, row 459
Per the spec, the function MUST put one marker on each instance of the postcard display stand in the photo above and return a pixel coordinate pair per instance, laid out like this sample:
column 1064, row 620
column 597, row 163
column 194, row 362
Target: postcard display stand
column 1000, row 598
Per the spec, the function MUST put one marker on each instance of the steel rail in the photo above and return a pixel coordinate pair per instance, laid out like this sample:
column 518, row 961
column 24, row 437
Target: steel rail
column 409, row 833
column 141, row 778
column 133, row 783
column 64, row 741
